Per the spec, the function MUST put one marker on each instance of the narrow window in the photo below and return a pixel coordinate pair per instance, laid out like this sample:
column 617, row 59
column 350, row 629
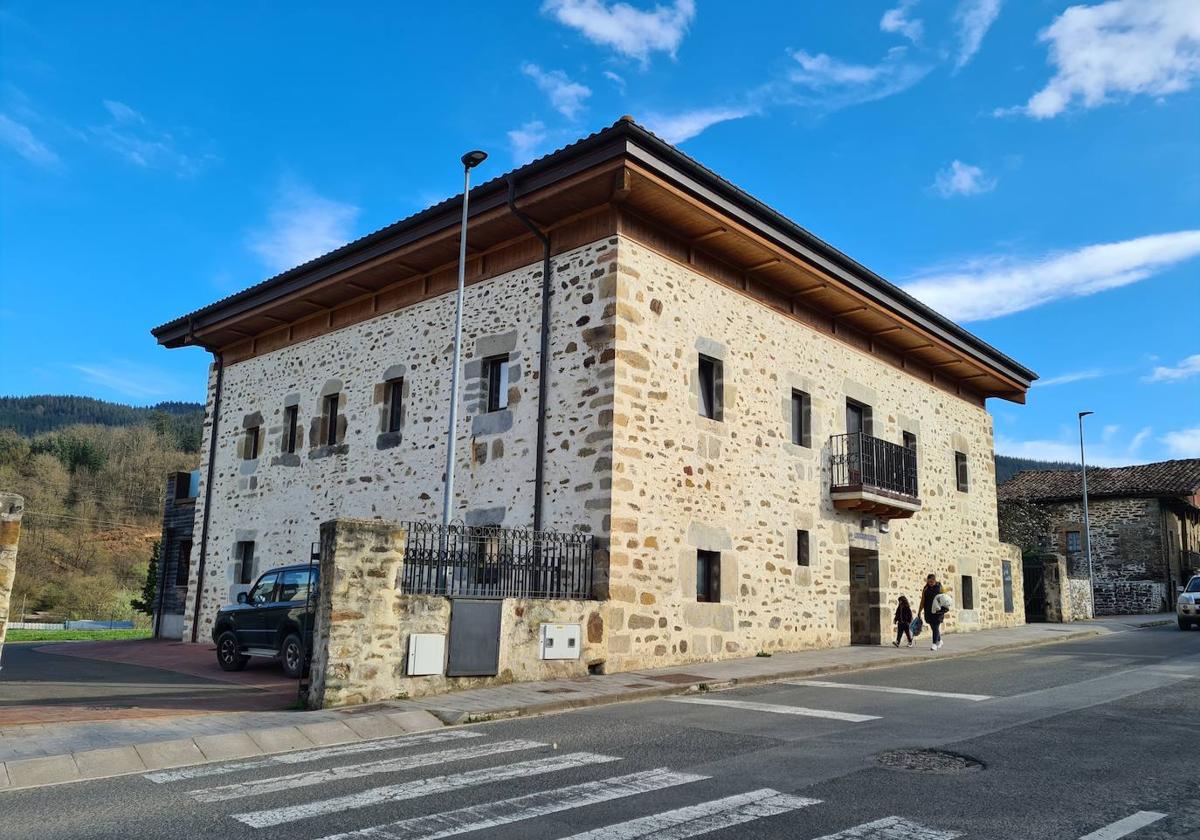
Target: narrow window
column 183, row 563
column 395, row 404
column 1074, row 542
column 802, row 548
column 497, row 382
column 291, row 422
column 708, row 576
column 183, row 486
column 968, row 592
column 801, row 419
column 245, row 561
column 331, row 419
column 910, row 440
column 960, row 470
column 710, row 388
column 252, row 443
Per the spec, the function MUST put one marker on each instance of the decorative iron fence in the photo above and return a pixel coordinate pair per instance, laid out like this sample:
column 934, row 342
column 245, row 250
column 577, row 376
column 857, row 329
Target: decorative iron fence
column 859, row 460
column 491, row 562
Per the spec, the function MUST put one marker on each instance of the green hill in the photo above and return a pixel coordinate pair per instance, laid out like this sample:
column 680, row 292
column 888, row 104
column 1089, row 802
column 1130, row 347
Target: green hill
column 31, row 416
column 1007, row 466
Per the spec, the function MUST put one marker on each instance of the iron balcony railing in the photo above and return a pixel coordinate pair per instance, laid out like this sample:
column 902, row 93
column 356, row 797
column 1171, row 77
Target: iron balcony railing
column 859, row 460
column 492, row 562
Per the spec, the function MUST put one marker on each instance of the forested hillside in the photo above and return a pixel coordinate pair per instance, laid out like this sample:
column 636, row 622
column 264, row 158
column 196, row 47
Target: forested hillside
column 1007, row 466
column 30, row 416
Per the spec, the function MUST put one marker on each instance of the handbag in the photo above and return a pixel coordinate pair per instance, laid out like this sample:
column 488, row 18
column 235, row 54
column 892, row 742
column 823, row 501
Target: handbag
column 916, row 626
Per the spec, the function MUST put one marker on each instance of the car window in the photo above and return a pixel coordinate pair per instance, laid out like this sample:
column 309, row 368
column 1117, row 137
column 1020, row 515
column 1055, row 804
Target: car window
column 293, row 585
column 263, row 591
column 1193, row 585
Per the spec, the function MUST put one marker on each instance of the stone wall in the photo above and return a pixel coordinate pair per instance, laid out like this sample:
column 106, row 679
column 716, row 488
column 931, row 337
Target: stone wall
column 12, row 508
column 360, row 640
column 279, row 500
column 682, row 482
column 1081, row 598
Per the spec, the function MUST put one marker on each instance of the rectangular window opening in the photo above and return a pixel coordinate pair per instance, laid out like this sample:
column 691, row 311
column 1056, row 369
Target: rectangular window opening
column 245, row 559
column 802, row 548
column 395, row 404
column 708, row 576
column 331, row 419
column 711, row 396
column 291, row 422
column 968, row 592
column 496, row 371
column 801, row 419
column 252, row 436
column 1074, row 542
column 960, row 471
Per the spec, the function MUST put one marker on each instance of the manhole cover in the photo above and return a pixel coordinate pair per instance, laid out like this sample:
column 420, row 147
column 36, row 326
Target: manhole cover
column 929, row 761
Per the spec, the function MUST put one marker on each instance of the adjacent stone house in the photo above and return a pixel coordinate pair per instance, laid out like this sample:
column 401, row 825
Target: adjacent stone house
column 767, row 441
column 1144, row 524
column 175, row 553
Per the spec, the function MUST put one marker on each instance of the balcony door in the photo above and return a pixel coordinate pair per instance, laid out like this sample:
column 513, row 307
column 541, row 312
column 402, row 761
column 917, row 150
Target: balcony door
column 858, row 450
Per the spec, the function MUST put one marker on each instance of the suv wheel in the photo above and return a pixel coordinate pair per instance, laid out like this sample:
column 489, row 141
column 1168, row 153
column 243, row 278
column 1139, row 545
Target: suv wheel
column 291, row 654
column 229, row 654
column 1184, row 625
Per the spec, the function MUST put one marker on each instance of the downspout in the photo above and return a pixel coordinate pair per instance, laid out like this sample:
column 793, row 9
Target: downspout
column 543, row 356
column 208, row 485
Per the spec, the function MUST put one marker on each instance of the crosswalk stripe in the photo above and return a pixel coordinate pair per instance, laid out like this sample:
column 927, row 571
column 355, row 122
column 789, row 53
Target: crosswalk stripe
column 891, row 828
column 949, row 695
column 505, row 811
column 1126, row 826
column 420, row 787
column 701, row 819
column 750, row 705
column 199, row 771
column 357, row 771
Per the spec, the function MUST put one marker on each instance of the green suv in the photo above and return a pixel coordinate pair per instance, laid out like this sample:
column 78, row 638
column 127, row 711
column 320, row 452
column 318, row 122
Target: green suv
column 274, row 619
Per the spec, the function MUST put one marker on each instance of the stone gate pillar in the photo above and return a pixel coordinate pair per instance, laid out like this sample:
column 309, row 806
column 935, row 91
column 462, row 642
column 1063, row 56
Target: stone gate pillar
column 11, row 508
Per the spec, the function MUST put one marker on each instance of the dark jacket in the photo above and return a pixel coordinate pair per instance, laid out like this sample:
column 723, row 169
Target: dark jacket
column 931, row 591
column 903, row 615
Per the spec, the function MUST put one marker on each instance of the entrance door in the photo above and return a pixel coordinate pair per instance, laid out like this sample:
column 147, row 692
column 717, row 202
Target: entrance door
column 1034, row 577
column 866, row 608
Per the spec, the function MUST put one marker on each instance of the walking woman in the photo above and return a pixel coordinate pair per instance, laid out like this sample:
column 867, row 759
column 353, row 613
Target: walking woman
column 930, row 611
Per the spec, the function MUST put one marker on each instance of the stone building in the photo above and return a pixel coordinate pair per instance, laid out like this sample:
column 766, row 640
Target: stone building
column 1144, row 522
column 175, row 553
column 768, row 442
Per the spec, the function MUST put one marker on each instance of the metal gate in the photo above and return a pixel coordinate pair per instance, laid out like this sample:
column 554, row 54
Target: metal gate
column 1034, row 577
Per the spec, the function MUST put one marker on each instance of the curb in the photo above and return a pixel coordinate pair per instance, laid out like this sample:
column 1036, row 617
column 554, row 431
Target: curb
column 109, row 762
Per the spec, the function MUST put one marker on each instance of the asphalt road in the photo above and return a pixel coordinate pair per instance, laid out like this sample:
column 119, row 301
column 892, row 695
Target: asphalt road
column 1097, row 738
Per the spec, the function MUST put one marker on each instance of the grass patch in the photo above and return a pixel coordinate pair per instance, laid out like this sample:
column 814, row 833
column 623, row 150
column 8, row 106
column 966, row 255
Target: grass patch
column 17, row 635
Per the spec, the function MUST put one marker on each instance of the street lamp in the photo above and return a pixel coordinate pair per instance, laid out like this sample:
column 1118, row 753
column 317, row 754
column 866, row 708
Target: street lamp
column 469, row 161
column 1087, row 533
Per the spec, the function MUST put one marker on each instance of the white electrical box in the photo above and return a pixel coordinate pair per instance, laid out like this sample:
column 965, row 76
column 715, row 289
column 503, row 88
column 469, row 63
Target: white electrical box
column 426, row 654
column 560, row 641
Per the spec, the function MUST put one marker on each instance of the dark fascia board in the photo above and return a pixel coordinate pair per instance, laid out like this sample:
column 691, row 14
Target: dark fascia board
column 626, row 138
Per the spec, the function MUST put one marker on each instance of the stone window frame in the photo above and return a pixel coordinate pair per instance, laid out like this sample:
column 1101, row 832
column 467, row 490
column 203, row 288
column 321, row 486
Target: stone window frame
column 485, row 422
column 708, row 576
column 327, row 433
column 801, row 418
column 251, row 439
column 962, row 474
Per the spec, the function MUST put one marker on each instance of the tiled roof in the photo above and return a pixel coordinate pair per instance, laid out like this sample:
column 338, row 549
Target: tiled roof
column 1164, row 478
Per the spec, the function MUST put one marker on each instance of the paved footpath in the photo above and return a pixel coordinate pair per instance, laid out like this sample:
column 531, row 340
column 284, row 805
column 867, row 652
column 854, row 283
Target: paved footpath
column 51, row 753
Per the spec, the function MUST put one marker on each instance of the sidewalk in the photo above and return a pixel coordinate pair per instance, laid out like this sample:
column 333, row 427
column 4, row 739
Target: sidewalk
column 53, row 753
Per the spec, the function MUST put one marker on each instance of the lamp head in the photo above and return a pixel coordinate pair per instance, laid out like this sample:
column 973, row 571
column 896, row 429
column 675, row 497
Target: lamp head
column 1083, row 414
column 472, row 159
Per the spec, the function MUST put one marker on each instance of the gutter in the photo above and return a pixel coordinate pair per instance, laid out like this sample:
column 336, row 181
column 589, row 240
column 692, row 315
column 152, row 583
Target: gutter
column 208, row 485
column 539, row 469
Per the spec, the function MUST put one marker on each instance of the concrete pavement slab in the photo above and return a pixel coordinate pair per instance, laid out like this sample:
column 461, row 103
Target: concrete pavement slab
column 417, row 720
column 227, row 746
column 34, row 772
column 160, row 755
column 113, row 761
column 328, row 732
column 374, row 726
column 280, row 739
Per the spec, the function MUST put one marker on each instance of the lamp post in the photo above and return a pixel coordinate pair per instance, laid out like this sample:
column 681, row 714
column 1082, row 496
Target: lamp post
column 469, row 161
column 1087, row 533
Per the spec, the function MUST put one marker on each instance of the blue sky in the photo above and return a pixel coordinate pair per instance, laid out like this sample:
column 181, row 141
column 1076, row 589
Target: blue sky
column 1031, row 169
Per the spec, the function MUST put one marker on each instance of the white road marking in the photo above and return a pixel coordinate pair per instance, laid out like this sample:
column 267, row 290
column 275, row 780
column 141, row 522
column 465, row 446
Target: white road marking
column 505, row 811
column 701, row 819
column 949, row 695
column 420, row 787
column 750, row 705
column 891, row 828
column 1121, row 828
column 357, row 771
column 301, row 756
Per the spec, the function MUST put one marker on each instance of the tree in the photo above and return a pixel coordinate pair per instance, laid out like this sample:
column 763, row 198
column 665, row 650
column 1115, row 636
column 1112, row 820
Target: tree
column 145, row 604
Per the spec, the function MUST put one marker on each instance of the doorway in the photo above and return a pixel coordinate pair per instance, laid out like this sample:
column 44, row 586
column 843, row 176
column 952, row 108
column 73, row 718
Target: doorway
column 1034, row 578
column 866, row 608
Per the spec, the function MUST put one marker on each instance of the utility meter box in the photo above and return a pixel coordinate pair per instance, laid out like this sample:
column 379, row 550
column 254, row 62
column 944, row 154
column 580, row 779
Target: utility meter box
column 560, row 641
column 426, row 654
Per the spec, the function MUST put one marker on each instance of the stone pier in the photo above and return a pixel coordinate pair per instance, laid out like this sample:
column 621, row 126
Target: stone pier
column 12, row 507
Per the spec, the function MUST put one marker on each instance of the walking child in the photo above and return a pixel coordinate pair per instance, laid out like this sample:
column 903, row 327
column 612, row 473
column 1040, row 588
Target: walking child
column 902, row 619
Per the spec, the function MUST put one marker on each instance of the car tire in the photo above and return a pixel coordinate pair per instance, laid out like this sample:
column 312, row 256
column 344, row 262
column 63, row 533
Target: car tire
column 291, row 656
column 229, row 654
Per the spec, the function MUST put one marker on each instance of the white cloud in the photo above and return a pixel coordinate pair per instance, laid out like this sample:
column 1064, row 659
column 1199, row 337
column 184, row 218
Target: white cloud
column 676, row 128
column 129, row 379
column 962, row 179
column 973, row 19
column 832, row 83
column 21, row 140
column 527, row 140
column 134, row 138
column 1186, row 369
column 630, row 31
column 1108, row 452
column 1118, row 49
column 616, row 80
column 1067, row 378
column 897, row 20
column 994, row 286
column 566, row 96
column 300, row 226
column 1184, row 443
